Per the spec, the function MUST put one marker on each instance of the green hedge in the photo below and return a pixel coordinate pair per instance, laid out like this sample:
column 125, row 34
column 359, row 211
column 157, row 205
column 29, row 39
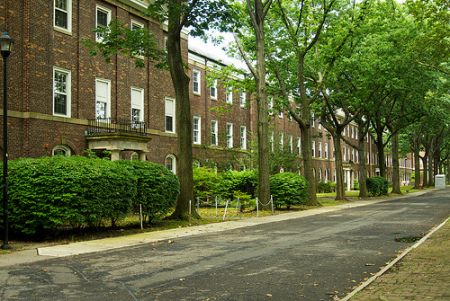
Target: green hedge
column 232, row 181
column 288, row 189
column 377, row 186
column 157, row 189
column 52, row 192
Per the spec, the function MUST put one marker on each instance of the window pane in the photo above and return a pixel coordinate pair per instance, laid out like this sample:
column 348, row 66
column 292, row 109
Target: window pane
column 61, row 19
column 102, row 18
column 135, row 115
column 169, row 124
column 60, row 82
column 60, row 104
column 62, row 4
column 100, row 110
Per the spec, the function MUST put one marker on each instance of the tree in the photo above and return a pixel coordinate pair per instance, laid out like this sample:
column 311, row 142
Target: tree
column 198, row 14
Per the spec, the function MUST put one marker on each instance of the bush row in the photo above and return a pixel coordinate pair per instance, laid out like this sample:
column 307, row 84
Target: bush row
column 286, row 188
column 52, row 192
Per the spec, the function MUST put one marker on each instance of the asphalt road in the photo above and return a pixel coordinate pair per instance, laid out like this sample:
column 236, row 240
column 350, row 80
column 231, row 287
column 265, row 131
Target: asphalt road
column 312, row 258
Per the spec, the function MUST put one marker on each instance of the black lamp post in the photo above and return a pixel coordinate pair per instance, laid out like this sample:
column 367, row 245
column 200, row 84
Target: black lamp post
column 5, row 46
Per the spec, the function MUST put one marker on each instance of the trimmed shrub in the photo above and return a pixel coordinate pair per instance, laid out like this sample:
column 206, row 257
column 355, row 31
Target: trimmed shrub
column 377, row 186
column 231, row 181
column 324, row 187
column 157, row 189
column 205, row 183
column 51, row 193
column 288, row 189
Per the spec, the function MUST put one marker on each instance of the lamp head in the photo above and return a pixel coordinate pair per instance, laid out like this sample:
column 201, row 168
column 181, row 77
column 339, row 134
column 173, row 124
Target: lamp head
column 6, row 44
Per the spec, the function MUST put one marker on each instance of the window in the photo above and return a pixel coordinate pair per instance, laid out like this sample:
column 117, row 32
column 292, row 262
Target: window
column 326, row 176
column 320, row 149
column 320, row 174
column 242, row 101
column 61, row 150
column 345, row 154
column 62, row 18
column 170, row 115
column 291, row 147
column 299, row 144
column 243, row 137
column 61, row 92
column 137, row 104
column 103, row 19
column 137, row 26
column 325, row 150
column 229, row 95
column 320, row 125
column 196, row 81
column 270, row 106
column 213, row 89
column 280, row 114
column 102, row 98
column 229, row 135
column 197, row 138
column 313, row 145
column 134, row 157
column 171, row 163
column 281, row 141
column 313, row 122
column 271, row 141
column 214, row 132
column 353, row 132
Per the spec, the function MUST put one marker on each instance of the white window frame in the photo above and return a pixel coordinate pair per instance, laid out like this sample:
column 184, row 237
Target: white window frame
column 243, row 137
column 291, row 147
column 68, row 13
column 196, row 81
column 213, row 90
column 320, row 149
column 197, row 130
column 313, row 148
column 270, row 106
column 138, row 103
column 174, row 163
column 281, row 141
column 229, row 132
column 107, row 99
column 67, row 92
column 140, row 26
column 98, row 38
column 171, row 114
column 229, row 95
column 214, row 133
column 242, row 99
column 271, row 141
column 345, row 154
column 326, row 150
column 64, row 148
column 313, row 120
column 280, row 114
column 299, row 145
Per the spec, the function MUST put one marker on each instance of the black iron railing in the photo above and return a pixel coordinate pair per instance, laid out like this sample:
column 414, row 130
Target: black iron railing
column 116, row 125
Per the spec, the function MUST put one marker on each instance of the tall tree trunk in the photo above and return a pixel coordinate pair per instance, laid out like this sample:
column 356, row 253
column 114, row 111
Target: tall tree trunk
column 307, row 157
column 416, row 162
column 425, row 169
column 340, row 184
column 183, row 118
column 395, row 166
column 362, row 170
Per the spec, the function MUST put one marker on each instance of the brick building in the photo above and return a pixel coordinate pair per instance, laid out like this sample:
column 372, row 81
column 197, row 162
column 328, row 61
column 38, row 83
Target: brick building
column 61, row 100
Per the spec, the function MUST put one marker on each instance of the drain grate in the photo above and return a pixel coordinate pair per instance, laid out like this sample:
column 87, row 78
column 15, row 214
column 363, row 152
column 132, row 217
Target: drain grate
column 409, row 239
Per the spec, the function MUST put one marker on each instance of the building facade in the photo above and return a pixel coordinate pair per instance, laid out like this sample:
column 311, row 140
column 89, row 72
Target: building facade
column 64, row 101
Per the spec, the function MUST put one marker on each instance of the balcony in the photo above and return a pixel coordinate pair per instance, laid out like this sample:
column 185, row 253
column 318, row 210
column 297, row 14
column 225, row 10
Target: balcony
column 116, row 125
column 118, row 135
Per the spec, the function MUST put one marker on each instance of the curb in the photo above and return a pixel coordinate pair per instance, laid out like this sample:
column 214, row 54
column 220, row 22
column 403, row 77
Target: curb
column 393, row 262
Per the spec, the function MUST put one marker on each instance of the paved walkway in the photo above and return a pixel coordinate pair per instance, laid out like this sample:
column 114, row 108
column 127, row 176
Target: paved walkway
column 423, row 274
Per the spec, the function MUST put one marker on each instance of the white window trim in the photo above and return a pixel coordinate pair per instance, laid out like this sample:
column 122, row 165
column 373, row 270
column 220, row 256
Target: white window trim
column 108, row 19
column 229, row 133
column 213, row 88
column 64, row 148
column 243, row 137
column 291, row 147
column 140, row 25
column 141, row 102
column 214, row 130
column 326, row 150
column 281, row 141
column 174, row 124
column 174, row 163
column 242, row 99
column 69, row 18
column 320, row 149
column 199, row 130
column 271, row 141
column 108, row 96
column 229, row 95
column 196, row 79
column 313, row 149
column 68, row 91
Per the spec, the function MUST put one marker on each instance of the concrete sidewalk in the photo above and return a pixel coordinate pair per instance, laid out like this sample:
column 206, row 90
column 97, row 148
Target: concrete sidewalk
column 422, row 274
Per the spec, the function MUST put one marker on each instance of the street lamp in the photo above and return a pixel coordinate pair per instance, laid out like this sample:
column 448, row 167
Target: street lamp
column 6, row 44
